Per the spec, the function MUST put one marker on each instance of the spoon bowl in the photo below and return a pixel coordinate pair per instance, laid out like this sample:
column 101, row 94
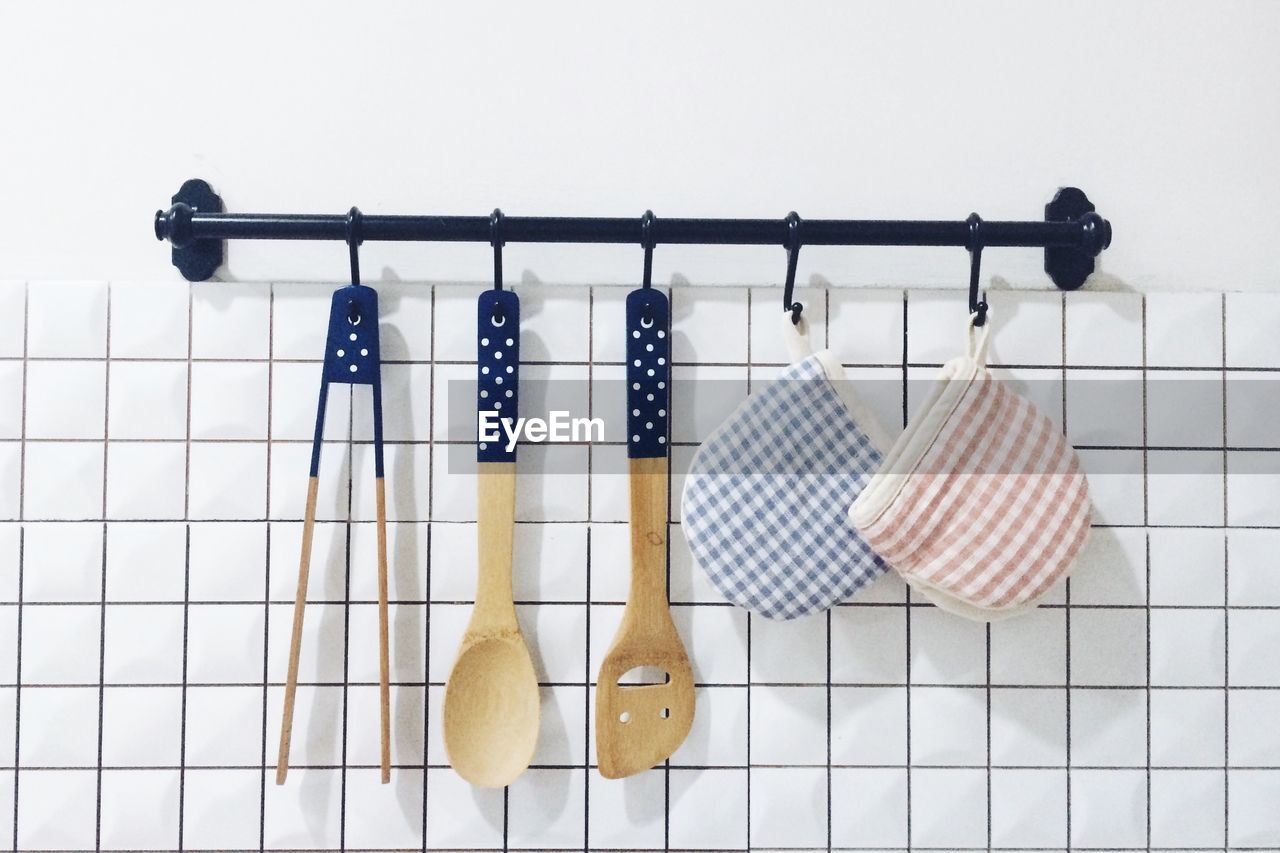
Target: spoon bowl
column 491, row 711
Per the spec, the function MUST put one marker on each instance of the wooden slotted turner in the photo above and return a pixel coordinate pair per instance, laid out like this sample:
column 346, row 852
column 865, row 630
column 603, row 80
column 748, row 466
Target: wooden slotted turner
column 641, row 725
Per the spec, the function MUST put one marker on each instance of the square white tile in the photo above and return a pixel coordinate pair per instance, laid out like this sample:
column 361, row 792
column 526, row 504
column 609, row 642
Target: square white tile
column 227, row 481
column 1108, row 728
column 1187, row 728
column 224, row 643
column 143, row 644
column 948, row 807
column 406, row 324
column 11, row 453
column 1116, row 485
column 306, row 813
column 1253, row 636
column 630, row 814
column 1029, row 808
column 1252, row 408
column 1184, row 408
column 945, row 649
column 149, row 320
column 1188, row 808
column 719, row 733
column 1253, row 738
column 1111, row 568
column 1184, row 329
column 1108, row 647
column 869, row 807
column 708, row 809
column 1253, row 481
column 1252, row 319
column 1031, row 649
column 1254, row 578
column 140, row 810
column 62, row 562
column 461, row 817
column 69, row 734
column 788, row 807
column 794, row 651
column 222, row 809
column 60, row 644
column 1104, row 408
column 13, row 323
column 869, row 645
column 228, row 561
column 148, row 400
column 230, row 321
column 788, row 725
column 224, row 726
column 948, row 725
column 547, row 808
column 57, row 810
column 1029, row 727
column 1188, row 566
column 1188, row 648
column 1104, row 328
column 67, row 319
column 375, row 820
column 1108, row 808
column 300, row 320
column 146, row 480
column 1252, row 809
column 66, row 399
column 708, row 326
column 11, row 399
column 142, row 726
column 545, row 312
column 1185, row 487
column 456, row 323
column 868, row 725
column 229, row 400
column 1027, row 327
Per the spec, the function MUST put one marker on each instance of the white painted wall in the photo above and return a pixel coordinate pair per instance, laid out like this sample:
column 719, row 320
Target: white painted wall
column 1166, row 113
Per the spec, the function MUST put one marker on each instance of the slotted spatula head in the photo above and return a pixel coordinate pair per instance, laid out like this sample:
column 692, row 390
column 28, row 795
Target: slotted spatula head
column 641, row 725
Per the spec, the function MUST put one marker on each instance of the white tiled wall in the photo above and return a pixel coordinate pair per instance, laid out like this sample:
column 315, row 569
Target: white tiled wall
column 154, row 441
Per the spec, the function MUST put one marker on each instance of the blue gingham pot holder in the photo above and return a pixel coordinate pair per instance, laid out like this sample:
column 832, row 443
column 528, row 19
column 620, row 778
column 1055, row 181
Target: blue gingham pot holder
column 765, row 504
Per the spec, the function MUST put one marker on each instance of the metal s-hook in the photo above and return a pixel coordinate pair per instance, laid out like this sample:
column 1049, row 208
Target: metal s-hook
column 355, row 222
column 647, row 241
column 973, row 243
column 793, row 255
column 355, row 236
column 497, row 242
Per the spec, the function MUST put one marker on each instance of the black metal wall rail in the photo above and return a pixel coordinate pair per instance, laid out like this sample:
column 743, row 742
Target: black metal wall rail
column 1072, row 233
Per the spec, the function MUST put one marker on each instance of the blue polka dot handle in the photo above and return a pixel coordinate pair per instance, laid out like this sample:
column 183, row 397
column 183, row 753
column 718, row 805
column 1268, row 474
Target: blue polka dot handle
column 648, row 372
column 352, row 357
column 498, row 372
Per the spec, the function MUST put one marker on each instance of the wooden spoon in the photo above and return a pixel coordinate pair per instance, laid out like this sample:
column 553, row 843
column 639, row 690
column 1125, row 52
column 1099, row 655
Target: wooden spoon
column 491, row 701
column 638, row 726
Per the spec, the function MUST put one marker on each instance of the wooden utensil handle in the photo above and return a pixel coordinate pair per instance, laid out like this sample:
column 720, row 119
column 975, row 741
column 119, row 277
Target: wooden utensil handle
column 384, row 654
column 295, row 640
column 496, row 514
column 648, row 485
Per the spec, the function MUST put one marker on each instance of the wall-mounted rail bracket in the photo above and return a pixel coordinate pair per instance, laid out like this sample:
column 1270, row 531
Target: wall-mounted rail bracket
column 1069, row 266
column 197, row 260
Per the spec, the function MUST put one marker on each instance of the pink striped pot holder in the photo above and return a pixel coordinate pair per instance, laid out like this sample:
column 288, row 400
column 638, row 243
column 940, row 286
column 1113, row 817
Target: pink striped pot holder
column 981, row 504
